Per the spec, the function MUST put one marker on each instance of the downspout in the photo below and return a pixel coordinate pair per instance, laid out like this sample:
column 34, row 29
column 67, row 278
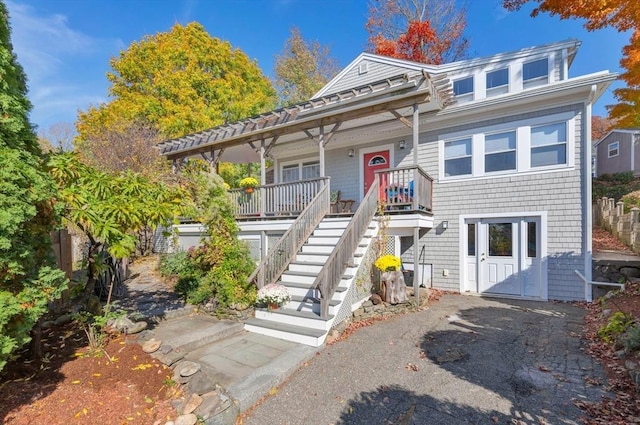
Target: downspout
column 587, row 195
column 417, row 272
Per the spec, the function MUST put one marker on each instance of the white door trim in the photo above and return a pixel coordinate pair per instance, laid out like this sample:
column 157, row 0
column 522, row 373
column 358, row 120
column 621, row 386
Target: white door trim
column 462, row 246
column 362, row 152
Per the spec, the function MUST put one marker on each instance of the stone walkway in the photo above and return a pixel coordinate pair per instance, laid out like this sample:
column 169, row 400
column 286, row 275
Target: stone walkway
column 465, row 360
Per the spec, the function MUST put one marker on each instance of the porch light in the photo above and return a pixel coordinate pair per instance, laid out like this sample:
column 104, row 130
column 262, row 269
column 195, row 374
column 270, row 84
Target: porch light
column 445, row 224
column 351, row 153
column 402, row 144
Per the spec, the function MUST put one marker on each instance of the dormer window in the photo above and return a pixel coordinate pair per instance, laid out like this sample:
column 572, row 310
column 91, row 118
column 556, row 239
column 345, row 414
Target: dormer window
column 535, row 73
column 497, row 82
column 463, row 89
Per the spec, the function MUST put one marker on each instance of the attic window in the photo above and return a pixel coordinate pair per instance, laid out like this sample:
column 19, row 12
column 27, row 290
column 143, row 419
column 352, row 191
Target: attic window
column 363, row 68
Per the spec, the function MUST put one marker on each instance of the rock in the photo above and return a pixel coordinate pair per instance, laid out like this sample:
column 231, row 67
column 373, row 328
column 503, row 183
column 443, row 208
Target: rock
column 94, row 306
column 62, row 320
column 151, row 345
column 332, row 336
column 137, row 327
column 189, row 368
column 226, row 412
column 166, row 349
column 631, row 365
column 376, row 299
column 47, row 324
column 192, row 404
column 189, row 419
column 171, row 357
column 210, row 403
column 630, row 271
column 606, row 312
column 169, row 423
column 202, row 382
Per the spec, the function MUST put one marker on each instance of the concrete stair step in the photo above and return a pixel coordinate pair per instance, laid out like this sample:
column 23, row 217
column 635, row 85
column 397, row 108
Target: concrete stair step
column 305, row 319
column 299, row 334
column 187, row 333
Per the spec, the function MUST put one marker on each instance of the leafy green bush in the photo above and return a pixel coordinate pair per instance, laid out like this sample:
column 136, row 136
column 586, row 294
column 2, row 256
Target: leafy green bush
column 614, row 185
column 219, row 268
column 617, row 325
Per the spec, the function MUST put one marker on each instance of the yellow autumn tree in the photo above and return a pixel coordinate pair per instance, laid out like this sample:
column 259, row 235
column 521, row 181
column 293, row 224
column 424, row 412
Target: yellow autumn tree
column 181, row 81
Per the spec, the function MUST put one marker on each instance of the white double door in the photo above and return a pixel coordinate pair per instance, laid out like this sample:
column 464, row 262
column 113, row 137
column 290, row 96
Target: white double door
column 503, row 256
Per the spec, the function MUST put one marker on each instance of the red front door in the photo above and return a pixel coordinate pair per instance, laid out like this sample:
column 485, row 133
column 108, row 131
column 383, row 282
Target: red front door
column 374, row 161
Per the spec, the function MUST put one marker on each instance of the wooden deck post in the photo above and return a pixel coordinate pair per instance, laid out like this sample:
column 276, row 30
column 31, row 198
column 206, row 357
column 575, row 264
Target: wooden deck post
column 416, row 265
column 416, row 132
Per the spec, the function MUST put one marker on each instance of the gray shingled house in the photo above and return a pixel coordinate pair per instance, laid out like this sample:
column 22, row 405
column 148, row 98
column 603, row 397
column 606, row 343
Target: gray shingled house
column 482, row 168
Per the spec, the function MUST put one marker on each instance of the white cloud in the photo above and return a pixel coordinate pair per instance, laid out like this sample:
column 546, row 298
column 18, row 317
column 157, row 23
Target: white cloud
column 58, row 61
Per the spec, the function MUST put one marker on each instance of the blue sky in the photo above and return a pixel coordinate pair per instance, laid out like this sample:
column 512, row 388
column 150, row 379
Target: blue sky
column 65, row 45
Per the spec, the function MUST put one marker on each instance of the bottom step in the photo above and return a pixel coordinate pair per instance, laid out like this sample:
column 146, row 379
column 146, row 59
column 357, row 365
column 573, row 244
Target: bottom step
column 299, row 334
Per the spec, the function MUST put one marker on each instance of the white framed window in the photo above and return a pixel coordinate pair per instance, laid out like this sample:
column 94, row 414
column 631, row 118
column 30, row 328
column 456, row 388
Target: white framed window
column 500, row 152
column 614, row 149
column 497, row 82
column 535, row 73
column 549, row 145
column 293, row 172
column 458, row 158
column 463, row 89
column 539, row 144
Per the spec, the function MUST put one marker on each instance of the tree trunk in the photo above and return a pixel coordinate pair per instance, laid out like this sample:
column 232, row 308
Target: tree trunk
column 395, row 289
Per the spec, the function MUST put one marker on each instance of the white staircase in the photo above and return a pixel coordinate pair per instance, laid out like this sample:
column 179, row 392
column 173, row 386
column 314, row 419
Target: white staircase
column 299, row 320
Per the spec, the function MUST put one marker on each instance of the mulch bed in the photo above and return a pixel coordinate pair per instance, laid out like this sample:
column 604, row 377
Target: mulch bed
column 75, row 385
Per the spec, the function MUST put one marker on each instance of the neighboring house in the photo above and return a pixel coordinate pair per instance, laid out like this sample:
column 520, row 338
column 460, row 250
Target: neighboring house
column 482, row 166
column 618, row 151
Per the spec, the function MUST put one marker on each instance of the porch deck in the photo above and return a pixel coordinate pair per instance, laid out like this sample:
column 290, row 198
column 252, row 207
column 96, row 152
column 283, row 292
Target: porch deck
column 403, row 190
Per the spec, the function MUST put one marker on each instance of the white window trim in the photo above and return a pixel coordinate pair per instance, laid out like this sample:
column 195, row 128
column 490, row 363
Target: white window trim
column 468, row 96
column 473, row 165
column 610, row 148
column 498, row 90
column 523, row 147
column 297, row 162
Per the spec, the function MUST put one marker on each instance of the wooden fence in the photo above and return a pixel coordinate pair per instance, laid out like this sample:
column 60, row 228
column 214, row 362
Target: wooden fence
column 62, row 248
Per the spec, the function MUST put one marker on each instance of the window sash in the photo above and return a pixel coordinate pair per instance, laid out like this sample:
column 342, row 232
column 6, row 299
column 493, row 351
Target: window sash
column 614, row 149
column 534, row 70
column 497, row 78
column 463, row 86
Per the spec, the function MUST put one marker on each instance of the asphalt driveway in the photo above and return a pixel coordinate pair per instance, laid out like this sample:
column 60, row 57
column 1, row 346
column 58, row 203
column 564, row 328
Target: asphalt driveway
column 465, row 360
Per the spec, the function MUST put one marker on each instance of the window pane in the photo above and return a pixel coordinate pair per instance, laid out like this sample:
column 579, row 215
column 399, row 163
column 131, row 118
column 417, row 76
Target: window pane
column 500, row 161
column 498, row 78
column 457, row 167
column 310, row 170
column 535, row 69
column 549, row 134
column 463, row 86
column 457, row 149
column 613, row 149
column 548, row 155
column 471, row 239
column 500, row 240
column 500, row 142
column 290, row 173
column 532, row 243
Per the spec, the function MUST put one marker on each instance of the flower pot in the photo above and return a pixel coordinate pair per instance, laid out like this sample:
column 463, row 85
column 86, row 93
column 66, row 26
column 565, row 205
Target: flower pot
column 273, row 306
column 248, row 189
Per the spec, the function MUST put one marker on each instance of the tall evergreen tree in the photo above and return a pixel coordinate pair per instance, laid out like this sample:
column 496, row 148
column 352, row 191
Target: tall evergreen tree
column 28, row 277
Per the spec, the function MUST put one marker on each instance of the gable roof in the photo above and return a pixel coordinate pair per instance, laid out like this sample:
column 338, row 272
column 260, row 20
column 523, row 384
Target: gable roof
column 618, row 130
column 571, row 45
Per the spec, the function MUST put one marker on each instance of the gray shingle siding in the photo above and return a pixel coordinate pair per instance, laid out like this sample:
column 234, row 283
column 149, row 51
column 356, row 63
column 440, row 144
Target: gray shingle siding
column 375, row 71
column 558, row 193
